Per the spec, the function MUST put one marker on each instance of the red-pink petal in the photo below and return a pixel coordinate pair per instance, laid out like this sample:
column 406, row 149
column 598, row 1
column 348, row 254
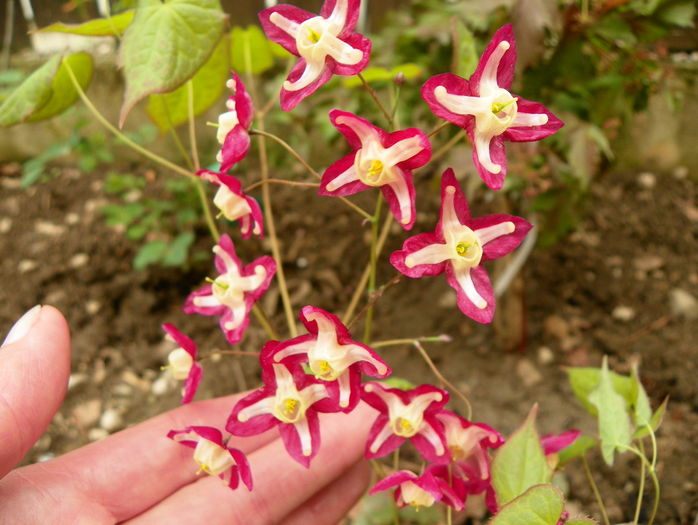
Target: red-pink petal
column 274, row 33
column 414, row 244
column 235, row 147
column 454, row 85
column 290, row 99
column 192, row 383
column 531, row 133
column 507, row 65
column 503, row 244
column 483, row 286
column 553, row 443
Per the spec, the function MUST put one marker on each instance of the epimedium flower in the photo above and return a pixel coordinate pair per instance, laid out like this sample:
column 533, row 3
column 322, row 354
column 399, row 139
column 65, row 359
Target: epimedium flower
column 332, row 356
column 458, row 246
column 418, row 491
column 326, row 45
column 233, row 125
column 182, row 362
column 232, row 294
column 406, row 414
column 468, row 444
column 381, row 160
column 289, row 400
column 234, row 204
column 485, row 108
column 213, row 456
column 554, row 443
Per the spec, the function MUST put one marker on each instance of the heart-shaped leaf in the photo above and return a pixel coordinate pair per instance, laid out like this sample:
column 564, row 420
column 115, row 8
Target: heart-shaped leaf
column 63, row 92
column 31, row 94
column 520, row 463
column 539, row 505
column 250, row 50
column 166, row 45
column 172, row 109
column 112, row 26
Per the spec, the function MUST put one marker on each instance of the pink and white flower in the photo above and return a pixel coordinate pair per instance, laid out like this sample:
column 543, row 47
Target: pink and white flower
column 326, row 45
column 468, row 444
column 289, row 400
column 458, row 246
column 232, row 132
column 418, row 491
column 182, row 362
column 332, row 356
column 406, row 414
column 487, row 110
column 232, row 294
column 213, row 456
column 380, row 160
column 234, row 204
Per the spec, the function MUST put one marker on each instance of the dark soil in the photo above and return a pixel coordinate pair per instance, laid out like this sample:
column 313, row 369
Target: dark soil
column 606, row 289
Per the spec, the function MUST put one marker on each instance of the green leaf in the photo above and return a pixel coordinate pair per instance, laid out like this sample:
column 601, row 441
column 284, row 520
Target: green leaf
column 166, row 45
column 63, row 92
column 172, row 109
column 116, row 214
column 250, row 51
column 178, row 250
column 583, row 521
column 31, row 94
column 113, row 26
column 584, row 380
column 539, row 505
column 576, row 449
column 398, row 382
column 616, row 30
column 614, row 425
column 150, row 253
column 654, row 422
column 465, row 56
column 520, row 463
column 409, row 70
column 371, row 74
column 679, row 14
column 642, row 411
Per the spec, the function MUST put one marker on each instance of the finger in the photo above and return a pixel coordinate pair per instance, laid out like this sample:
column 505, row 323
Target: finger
column 125, row 474
column 330, row 504
column 280, row 483
column 34, row 370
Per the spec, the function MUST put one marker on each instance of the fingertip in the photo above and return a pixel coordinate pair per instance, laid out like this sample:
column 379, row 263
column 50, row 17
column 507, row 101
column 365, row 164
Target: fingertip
column 34, row 371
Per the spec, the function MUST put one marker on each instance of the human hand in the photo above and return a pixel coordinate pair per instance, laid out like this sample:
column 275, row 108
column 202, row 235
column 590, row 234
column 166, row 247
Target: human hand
column 138, row 475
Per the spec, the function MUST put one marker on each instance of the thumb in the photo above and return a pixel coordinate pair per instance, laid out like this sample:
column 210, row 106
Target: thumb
column 34, row 370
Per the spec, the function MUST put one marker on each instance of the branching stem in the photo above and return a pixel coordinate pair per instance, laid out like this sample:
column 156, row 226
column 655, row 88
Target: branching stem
column 595, row 490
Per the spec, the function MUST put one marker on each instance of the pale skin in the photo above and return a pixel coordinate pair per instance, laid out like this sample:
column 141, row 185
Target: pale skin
column 138, row 476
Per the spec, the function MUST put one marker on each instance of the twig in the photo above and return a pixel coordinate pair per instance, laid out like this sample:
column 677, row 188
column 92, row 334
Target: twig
column 374, row 96
column 281, row 181
column 440, row 377
column 595, row 490
column 374, row 297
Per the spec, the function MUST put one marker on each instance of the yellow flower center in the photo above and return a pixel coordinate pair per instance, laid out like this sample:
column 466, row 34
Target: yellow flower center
column 498, row 107
column 404, row 428
column 375, row 169
column 457, row 453
column 463, row 247
column 313, row 36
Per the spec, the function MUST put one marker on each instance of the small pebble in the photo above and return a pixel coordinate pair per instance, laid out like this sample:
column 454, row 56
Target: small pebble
column 161, row 385
column 72, row 218
column 49, row 228
column 528, row 373
column 647, row 180
column 623, row 313
column 87, row 414
column 26, row 265
column 78, row 260
column 683, row 304
column 5, row 224
column 95, row 434
column 46, row 456
column 76, row 379
column 111, row 420
column 680, row 172
column 545, row 355
column 92, row 306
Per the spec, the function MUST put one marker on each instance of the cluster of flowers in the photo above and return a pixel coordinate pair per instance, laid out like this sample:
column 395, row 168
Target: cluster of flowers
column 321, row 371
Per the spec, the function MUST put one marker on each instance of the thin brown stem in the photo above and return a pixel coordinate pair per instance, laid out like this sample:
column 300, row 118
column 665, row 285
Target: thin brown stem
column 373, row 298
column 446, row 147
column 437, row 128
column 227, row 352
column 281, row 181
column 440, row 377
column 192, row 126
column 375, row 98
column 595, row 490
column 409, row 341
column 307, row 166
column 264, row 321
column 373, row 267
column 363, row 281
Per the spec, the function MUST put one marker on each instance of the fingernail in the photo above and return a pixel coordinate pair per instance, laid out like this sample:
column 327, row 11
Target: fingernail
column 23, row 325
